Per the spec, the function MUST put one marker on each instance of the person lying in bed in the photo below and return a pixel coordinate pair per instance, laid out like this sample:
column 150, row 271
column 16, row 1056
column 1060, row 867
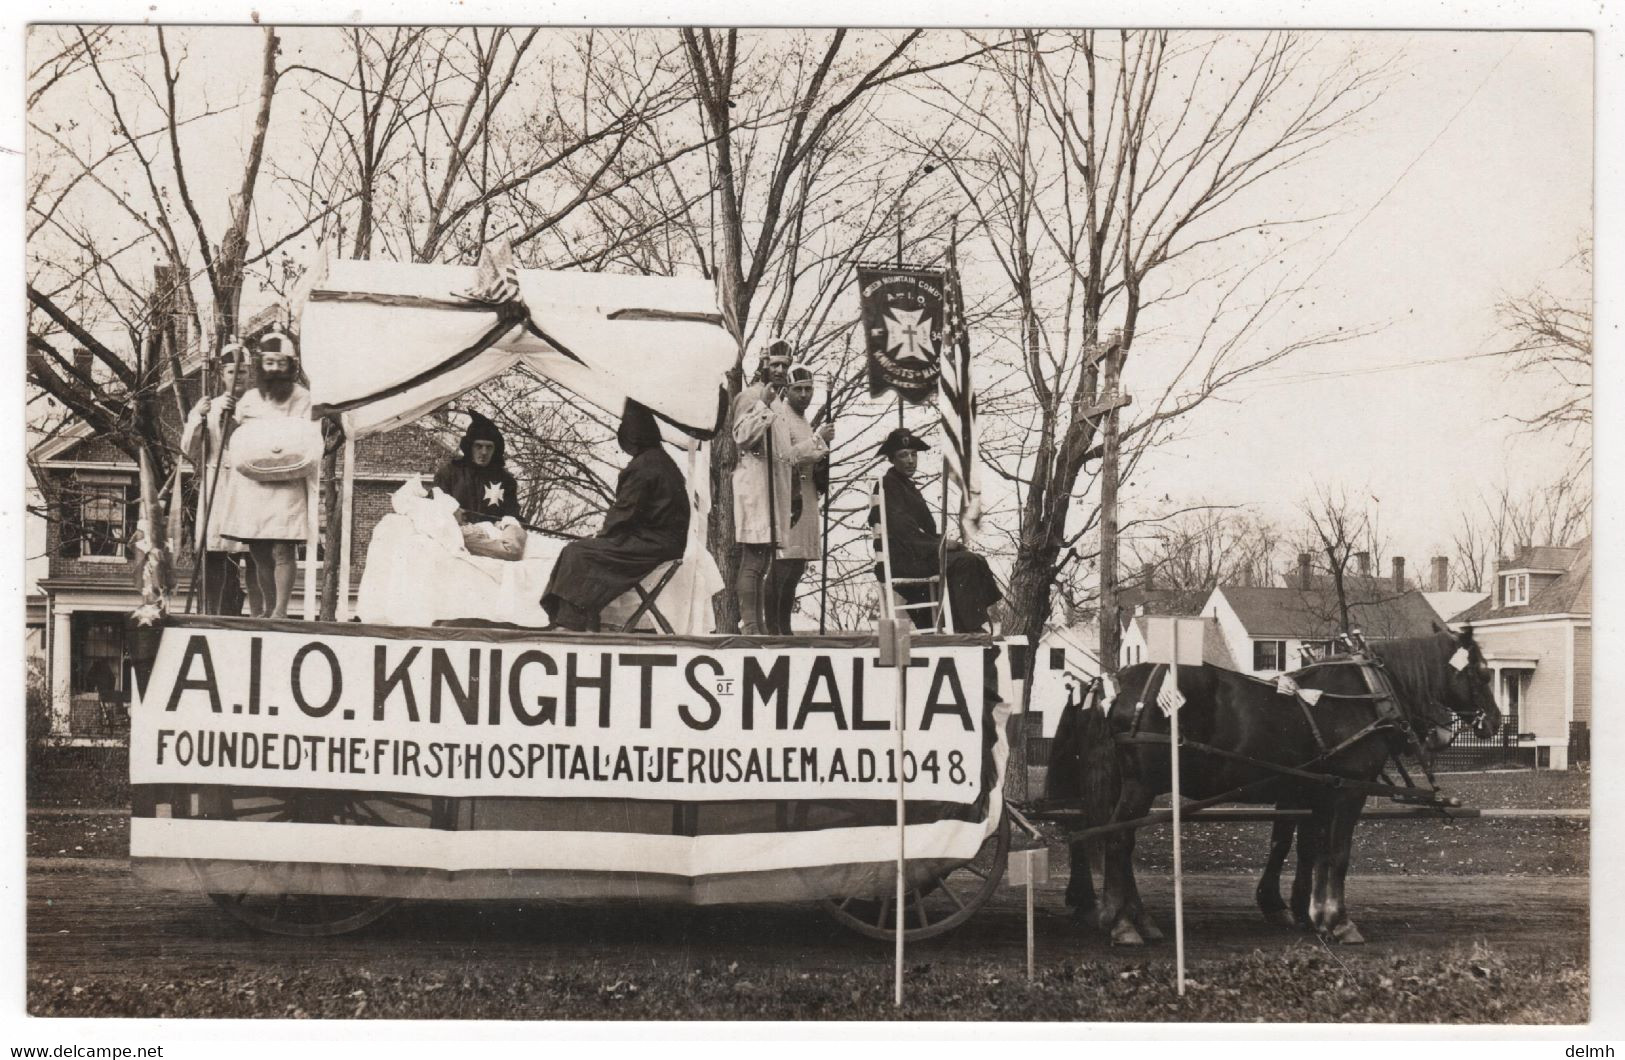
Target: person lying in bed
column 645, row 527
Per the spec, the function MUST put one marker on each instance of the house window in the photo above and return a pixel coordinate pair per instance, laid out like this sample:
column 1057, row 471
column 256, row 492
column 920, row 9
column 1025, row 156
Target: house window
column 98, row 662
column 1517, row 590
column 1269, row 655
column 102, row 506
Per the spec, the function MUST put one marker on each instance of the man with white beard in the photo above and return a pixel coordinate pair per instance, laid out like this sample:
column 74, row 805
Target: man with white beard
column 269, row 516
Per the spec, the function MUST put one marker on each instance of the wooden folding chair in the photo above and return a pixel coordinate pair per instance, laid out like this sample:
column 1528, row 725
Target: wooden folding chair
column 892, row 602
column 648, row 598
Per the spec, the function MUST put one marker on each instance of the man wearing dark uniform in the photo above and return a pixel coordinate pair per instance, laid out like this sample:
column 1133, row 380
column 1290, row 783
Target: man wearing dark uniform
column 914, row 544
column 476, row 479
column 646, row 526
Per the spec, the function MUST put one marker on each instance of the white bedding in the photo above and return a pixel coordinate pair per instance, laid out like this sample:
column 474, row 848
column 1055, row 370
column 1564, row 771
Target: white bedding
column 417, row 571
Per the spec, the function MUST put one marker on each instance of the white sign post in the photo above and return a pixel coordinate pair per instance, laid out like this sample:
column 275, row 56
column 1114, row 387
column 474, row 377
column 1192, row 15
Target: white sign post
column 1174, row 641
column 894, row 651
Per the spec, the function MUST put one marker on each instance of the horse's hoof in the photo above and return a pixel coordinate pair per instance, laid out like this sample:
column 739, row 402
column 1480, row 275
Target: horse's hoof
column 1149, row 931
column 1302, row 923
column 1125, row 935
column 1085, row 915
column 1347, row 934
column 1280, row 918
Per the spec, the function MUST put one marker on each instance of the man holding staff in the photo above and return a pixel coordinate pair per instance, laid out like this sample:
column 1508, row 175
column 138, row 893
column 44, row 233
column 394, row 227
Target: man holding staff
column 204, row 440
column 804, row 450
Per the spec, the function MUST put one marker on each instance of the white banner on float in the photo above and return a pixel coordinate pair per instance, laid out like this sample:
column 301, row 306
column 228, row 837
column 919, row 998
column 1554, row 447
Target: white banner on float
column 555, row 719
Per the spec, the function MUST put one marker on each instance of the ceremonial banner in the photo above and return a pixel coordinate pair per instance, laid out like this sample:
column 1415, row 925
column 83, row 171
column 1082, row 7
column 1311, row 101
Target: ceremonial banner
column 712, row 769
column 558, row 720
column 902, row 313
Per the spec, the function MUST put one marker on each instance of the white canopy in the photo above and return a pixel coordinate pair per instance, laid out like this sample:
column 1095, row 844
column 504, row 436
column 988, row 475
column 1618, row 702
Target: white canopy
column 385, row 342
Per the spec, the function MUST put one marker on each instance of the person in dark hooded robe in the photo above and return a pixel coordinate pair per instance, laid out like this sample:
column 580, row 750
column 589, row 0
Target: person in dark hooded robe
column 646, row 526
column 476, row 477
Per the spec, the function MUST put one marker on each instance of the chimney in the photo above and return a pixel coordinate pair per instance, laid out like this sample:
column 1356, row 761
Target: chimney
column 1147, row 576
column 1399, row 574
column 1362, row 563
column 1305, row 577
column 82, row 362
column 1441, row 574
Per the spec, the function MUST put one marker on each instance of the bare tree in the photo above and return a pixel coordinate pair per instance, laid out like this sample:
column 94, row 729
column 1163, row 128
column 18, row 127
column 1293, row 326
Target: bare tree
column 1508, row 518
column 139, row 174
column 1206, row 547
column 1345, row 535
column 1115, row 176
column 1551, row 347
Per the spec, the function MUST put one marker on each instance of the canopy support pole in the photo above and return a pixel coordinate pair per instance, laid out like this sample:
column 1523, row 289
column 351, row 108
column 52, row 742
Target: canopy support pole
column 312, row 609
column 346, row 526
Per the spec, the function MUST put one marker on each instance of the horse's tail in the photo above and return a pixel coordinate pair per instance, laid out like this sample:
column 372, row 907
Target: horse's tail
column 1100, row 773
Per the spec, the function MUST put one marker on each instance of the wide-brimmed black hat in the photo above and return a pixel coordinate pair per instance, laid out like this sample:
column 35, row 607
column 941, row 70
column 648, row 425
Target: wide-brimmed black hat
column 899, row 439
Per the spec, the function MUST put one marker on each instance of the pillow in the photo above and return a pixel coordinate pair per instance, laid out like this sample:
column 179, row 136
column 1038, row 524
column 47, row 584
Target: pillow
column 277, row 448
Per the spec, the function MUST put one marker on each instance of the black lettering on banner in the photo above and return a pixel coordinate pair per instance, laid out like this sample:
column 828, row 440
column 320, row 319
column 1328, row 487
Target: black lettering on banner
column 623, row 766
column 197, row 646
column 494, row 716
column 646, row 664
column 383, row 684
column 443, row 676
column 574, row 681
column 774, row 685
column 823, row 670
column 947, row 673
column 549, row 705
column 256, row 651
column 867, row 766
column 859, row 722
column 704, row 693
column 837, row 766
column 335, row 684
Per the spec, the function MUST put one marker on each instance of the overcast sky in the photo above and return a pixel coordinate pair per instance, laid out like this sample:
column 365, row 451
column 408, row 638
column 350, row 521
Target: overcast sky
column 1471, row 178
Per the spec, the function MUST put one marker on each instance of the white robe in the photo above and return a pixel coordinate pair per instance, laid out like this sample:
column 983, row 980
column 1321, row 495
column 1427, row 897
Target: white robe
column 266, row 511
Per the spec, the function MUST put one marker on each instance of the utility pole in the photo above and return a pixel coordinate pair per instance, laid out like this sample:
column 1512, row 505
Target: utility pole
column 1112, row 400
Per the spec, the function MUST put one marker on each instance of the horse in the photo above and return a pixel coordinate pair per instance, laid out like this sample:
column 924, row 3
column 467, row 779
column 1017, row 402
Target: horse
column 1253, row 743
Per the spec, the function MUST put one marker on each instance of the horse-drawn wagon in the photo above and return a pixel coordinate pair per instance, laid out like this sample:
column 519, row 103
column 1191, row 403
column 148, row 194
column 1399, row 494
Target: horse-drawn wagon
column 310, row 775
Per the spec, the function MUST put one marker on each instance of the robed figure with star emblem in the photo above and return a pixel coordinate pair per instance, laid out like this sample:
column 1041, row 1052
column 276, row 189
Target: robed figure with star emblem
column 476, row 479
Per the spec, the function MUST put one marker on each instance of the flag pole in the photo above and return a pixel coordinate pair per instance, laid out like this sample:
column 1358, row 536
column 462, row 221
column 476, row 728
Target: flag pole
column 1174, row 800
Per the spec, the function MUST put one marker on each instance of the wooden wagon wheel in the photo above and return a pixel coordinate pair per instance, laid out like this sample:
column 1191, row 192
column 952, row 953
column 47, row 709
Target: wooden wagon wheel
column 935, row 906
column 238, row 888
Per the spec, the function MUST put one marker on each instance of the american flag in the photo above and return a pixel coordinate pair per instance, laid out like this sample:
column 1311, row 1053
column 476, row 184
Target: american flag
column 956, row 403
column 496, row 281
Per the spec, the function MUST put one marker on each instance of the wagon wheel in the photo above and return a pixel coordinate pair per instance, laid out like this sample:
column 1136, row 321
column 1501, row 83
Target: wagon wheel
column 935, row 906
column 233, row 887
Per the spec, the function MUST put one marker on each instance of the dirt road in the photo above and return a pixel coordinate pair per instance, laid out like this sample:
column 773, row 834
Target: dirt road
column 91, row 918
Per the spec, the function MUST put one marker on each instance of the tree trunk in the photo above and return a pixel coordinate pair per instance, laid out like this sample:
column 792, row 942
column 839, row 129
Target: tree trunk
column 332, row 528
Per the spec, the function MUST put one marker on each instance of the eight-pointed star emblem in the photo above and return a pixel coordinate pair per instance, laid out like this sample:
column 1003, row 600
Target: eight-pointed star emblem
column 494, row 493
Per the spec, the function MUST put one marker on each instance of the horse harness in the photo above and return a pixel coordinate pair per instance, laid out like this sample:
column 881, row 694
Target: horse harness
column 1388, row 718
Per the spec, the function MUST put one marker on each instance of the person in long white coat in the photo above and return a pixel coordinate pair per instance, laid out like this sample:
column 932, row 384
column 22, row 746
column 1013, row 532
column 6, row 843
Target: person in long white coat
column 761, row 486
column 269, row 517
column 803, row 449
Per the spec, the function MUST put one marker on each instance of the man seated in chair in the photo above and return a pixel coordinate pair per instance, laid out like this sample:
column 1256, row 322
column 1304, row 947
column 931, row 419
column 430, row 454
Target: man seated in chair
column 645, row 527
column 914, row 545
